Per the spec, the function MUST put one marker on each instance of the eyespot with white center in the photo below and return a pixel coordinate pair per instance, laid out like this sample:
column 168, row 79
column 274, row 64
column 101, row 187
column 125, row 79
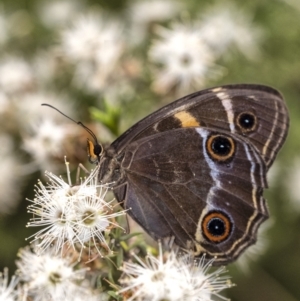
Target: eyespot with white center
column 246, row 121
column 216, row 226
column 220, row 148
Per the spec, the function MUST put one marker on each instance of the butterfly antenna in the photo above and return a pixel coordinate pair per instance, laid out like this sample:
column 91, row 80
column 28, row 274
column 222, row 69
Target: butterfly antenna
column 77, row 122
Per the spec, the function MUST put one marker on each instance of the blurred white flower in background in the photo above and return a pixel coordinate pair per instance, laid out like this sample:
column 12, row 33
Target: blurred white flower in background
column 95, row 45
column 292, row 183
column 172, row 276
column 47, row 65
column 3, row 28
column 46, row 143
column 186, row 54
column 4, row 103
column 225, row 25
column 143, row 14
column 10, row 181
column 256, row 250
column 46, row 134
column 30, row 105
column 83, row 39
column 186, row 61
column 58, row 13
column 21, row 24
column 16, row 75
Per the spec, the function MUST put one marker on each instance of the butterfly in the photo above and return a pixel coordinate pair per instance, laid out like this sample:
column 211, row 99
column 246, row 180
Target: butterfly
column 195, row 170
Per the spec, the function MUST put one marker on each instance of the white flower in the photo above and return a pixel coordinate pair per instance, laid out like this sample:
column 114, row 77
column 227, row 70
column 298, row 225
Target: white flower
column 45, row 133
column 46, row 142
column 186, row 60
column 16, row 75
column 53, row 210
column 223, row 26
column 95, row 45
column 143, row 13
column 172, row 277
column 93, row 37
column 8, row 291
column 94, row 216
column 48, row 277
column 76, row 215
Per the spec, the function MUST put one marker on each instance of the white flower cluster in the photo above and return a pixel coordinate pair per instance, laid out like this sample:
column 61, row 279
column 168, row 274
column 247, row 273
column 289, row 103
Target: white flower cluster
column 170, row 276
column 174, row 277
column 187, row 52
column 50, row 277
column 185, row 58
column 72, row 216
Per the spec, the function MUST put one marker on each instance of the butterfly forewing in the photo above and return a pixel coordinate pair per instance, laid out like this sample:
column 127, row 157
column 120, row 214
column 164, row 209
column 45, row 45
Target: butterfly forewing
column 253, row 111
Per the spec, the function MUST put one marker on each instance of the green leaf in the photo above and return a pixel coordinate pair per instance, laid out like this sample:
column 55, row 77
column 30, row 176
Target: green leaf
column 110, row 116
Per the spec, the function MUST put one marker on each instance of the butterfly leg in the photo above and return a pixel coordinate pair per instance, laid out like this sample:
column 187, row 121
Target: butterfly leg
column 79, row 169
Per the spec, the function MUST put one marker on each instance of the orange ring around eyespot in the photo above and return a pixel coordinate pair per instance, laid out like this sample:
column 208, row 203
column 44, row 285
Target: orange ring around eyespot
column 216, row 238
column 215, row 156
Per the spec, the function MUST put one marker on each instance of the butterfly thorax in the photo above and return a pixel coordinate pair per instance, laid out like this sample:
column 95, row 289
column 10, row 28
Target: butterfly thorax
column 110, row 171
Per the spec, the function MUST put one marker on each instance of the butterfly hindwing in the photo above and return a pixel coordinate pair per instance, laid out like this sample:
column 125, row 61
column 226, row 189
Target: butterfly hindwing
column 173, row 188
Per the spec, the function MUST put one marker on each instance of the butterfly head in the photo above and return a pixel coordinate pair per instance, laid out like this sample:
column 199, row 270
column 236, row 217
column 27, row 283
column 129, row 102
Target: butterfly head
column 95, row 150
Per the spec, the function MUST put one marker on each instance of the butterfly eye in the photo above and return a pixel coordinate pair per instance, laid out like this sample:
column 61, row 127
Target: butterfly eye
column 220, row 148
column 246, row 121
column 98, row 150
column 216, row 226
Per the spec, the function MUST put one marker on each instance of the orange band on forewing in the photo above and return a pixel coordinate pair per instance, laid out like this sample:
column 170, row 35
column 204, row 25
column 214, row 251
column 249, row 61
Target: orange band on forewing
column 186, row 119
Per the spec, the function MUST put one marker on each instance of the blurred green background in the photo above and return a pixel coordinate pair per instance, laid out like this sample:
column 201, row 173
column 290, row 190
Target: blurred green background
column 40, row 61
